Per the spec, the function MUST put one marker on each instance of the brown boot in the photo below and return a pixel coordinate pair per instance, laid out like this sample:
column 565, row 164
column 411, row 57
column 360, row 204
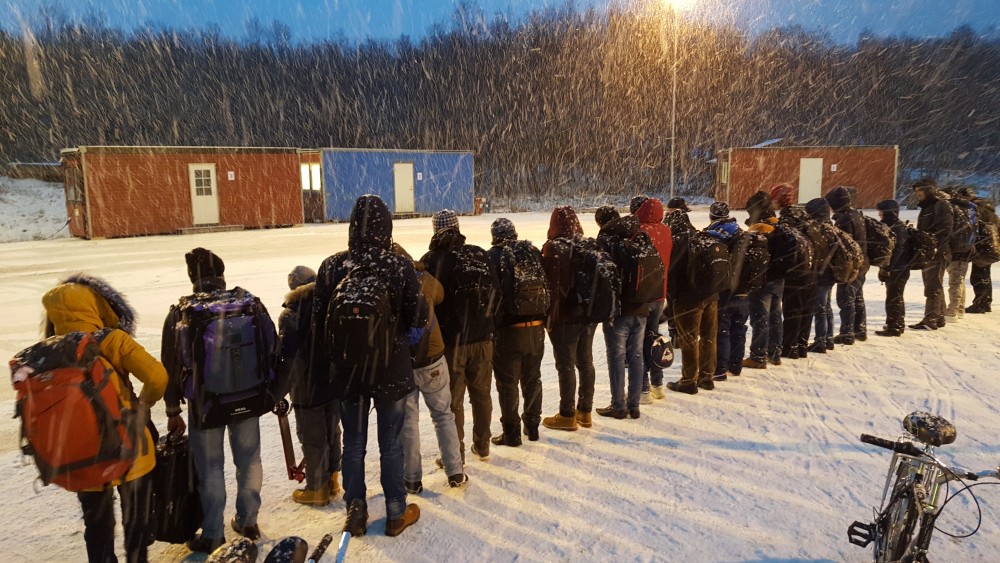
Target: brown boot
column 396, row 526
column 334, row 483
column 559, row 422
column 584, row 419
column 311, row 497
column 754, row 364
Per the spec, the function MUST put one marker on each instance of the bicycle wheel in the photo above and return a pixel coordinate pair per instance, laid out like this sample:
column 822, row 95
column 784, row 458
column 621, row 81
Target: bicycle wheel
column 898, row 522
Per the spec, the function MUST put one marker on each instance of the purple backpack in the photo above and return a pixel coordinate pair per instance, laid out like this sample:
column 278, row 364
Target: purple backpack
column 226, row 346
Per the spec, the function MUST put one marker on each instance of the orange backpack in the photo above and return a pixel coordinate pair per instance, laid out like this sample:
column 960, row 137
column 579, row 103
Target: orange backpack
column 73, row 421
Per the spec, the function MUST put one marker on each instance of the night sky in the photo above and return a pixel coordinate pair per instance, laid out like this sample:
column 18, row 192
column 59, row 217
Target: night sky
column 385, row 19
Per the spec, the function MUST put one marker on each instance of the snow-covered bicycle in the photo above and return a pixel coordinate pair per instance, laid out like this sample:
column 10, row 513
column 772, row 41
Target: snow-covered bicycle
column 916, row 491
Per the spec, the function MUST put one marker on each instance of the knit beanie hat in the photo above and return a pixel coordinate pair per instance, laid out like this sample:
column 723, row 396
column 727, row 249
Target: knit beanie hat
column 502, row 229
column 818, row 208
column 718, row 210
column 888, row 205
column 299, row 276
column 636, row 203
column 203, row 263
column 677, row 203
column 605, row 214
column 444, row 219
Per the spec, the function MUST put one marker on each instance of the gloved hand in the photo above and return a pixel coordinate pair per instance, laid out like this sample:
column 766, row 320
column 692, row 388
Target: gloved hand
column 414, row 335
column 883, row 275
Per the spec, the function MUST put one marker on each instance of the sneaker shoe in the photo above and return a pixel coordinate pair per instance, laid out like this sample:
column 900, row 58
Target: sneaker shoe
column 611, row 412
column 720, row 377
column 396, row 526
column 845, row 339
column 683, row 387
column 584, row 419
column 311, row 497
column 357, row 518
column 754, row 364
column 414, row 487
column 531, row 432
column 889, row 332
column 924, row 325
column 645, row 398
column 201, row 544
column 483, row 453
column 456, row 481
column 706, row 383
column 506, row 440
column 251, row 532
column 560, row 422
column 633, row 413
column 657, row 392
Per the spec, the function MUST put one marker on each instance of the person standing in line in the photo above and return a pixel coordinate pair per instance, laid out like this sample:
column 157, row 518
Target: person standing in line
column 819, row 211
column 982, row 284
column 896, row 274
column 765, row 303
column 850, row 296
column 962, row 248
column 936, row 219
column 649, row 211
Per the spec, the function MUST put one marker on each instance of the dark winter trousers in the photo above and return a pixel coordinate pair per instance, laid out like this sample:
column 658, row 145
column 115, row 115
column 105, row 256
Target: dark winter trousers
column 895, row 308
column 765, row 318
column 318, row 429
column 734, row 310
column 99, row 521
column 851, row 301
column 517, row 360
column 982, row 286
column 572, row 347
column 933, row 276
column 653, row 374
column 471, row 367
column 697, row 330
column 824, row 314
column 798, row 304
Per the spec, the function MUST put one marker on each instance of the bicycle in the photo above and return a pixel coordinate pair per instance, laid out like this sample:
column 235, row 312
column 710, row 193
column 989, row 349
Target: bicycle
column 911, row 499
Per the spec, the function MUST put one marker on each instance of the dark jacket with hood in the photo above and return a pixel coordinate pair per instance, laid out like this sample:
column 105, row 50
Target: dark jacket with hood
column 500, row 265
column 295, row 343
column 650, row 215
column 937, row 219
column 897, row 269
column 849, row 220
column 369, row 242
column 821, row 215
column 557, row 257
column 459, row 326
column 608, row 239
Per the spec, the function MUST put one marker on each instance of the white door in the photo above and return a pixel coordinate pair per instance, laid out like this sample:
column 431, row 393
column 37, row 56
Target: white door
column 403, row 174
column 204, row 194
column 810, row 179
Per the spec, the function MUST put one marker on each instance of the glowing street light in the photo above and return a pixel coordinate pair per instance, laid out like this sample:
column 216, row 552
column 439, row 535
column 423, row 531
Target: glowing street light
column 675, row 7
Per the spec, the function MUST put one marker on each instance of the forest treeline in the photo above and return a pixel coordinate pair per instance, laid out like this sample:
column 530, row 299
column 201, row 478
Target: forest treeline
column 562, row 102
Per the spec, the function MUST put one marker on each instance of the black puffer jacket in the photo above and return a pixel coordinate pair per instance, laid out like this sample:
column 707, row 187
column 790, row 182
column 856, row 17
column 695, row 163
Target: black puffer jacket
column 295, row 343
column 849, row 220
column 459, row 326
column 897, row 268
column 369, row 240
column 936, row 218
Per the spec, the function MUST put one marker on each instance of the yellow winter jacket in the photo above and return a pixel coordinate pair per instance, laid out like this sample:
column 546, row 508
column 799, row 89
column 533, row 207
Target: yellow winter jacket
column 73, row 307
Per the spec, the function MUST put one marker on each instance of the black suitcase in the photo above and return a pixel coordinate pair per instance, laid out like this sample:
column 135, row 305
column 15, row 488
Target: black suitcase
column 176, row 503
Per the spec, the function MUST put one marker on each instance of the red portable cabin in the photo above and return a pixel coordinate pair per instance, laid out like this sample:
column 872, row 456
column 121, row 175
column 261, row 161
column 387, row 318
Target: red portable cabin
column 127, row 191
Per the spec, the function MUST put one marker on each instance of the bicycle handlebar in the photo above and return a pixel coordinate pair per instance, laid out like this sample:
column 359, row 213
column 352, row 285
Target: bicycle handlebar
column 906, row 448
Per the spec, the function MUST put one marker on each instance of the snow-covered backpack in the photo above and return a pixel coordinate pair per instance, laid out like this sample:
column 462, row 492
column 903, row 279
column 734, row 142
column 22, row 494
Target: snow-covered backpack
column 748, row 260
column 880, row 242
column 73, row 420
column 642, row 270
column 226, row 344
column 987, row 244
column 361, row 323
column 846, row 257
column 790, row 252
column 920, row 248
column 471, row 288
column 963, row 229
column 524, row 284
column 708, row 264
column 596, row 281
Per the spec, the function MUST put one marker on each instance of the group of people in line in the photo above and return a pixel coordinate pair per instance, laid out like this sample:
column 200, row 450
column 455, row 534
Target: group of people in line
column 462, row 316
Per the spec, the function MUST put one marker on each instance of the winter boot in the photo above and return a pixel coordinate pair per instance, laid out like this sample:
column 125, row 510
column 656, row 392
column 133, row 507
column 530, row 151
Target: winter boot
column 310, row 497
column 396, row 526
column 482, row 452
column 202, row 544
column 889, row 332
column 845, row 339
column 459, row 480
column 511, row 437
column 706, row 382
column 633, row 413
column 560, row 422
column 251, row 532
column 335, row 483
column 357, row 518
column 414, row 487
column 689, row 387
column 584, row 419
column 531, row 432
column 645, row 398
column 657, row 392
column 750, row 363
column 817, row 347
column 925, row 324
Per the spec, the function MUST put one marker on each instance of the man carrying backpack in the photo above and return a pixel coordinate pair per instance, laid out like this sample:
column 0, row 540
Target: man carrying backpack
column 935, row 218
column 896, row 274
column 367, row 305
column 519, row 344
column 765, row 303
column 987, row 252
column 571, row 329
column 819, row 211
column 226, row 387
column 89, row 304
column 471, row 288
column 649, row 211
column 317, row 413
column 850, row 296
column 962, row 248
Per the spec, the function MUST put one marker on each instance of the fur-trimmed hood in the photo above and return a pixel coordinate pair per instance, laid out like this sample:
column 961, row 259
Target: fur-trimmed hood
column 298, row 294
column 86, row 303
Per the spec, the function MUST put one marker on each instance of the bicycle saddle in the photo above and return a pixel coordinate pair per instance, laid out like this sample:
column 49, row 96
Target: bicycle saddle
column 929, row 428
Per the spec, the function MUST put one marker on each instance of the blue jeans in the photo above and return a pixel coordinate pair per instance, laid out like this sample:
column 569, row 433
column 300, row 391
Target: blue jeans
column 824, row 313
column 209, row 455
column 851, row 301
column 765, row 318
column 734, row 310
column 433, row 383
column 623, row 339
column 652, row 373
column 354, row 413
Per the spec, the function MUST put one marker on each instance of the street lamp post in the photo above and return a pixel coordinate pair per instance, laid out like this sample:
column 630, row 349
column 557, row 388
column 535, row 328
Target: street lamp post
column 675, row 6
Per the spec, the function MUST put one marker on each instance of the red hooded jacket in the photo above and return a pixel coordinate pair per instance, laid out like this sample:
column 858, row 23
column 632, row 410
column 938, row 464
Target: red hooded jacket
column 650, row 215
column 556, row 257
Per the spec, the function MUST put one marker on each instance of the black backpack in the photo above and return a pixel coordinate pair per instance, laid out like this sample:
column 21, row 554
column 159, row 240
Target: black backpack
column 708, row 265
column 596, row 281
column 524, row 283
column 846, row 257
column 920, row 248
column 361, row 321
column 472, row 287
column 963, row 228
column 748, row 260
column 226, row 344
column 987, row 244
column 881, row 243
column 791, row 253
column 642, row 271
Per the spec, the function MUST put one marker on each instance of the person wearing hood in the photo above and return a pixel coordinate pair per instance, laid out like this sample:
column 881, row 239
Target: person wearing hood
column 369, row 243
column 765, row 302
column 935, row 218
column 206, row 270
column 519, row 344
column 850, row 296
column 317, row 413
column 979, row 276
column 89, row 304
column 467, row 326
column 571, row 334
column 819, row 211
column 896, row 274
column 734, row 305
column 649, row 211
column 962, row 252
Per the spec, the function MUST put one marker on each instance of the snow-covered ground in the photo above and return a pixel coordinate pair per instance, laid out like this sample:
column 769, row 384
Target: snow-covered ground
column 31, row 210
column 765, row 468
